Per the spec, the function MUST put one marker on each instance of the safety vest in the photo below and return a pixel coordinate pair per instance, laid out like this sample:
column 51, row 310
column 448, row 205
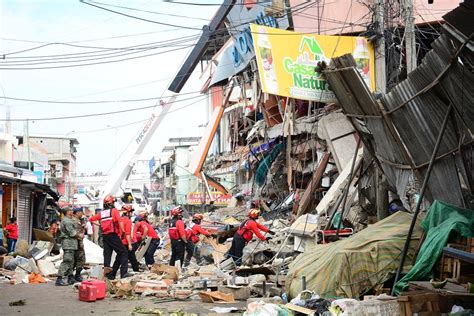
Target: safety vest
column 244, row 231
column 191, row 235
column 106, row 222
column 172, row 230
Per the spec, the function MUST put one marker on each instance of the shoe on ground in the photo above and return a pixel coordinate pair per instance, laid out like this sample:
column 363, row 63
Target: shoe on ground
column 78, row 278
column 110, row 276
column 61, row 282
column 71, row 280
column 126, row 275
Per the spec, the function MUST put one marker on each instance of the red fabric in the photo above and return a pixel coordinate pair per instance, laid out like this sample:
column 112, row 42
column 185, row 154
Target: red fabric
column 252, row 227
column 151, row 232
column 127, row 226
column 12, row 230
column 195, row 231
column 178, row 231
column 136, row 234
column 106, row 228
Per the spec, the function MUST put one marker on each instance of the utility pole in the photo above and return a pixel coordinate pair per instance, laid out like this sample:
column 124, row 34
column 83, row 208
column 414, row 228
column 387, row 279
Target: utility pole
column 28, row 143
column 410, row 39
column 380, row 69
column 380, row 86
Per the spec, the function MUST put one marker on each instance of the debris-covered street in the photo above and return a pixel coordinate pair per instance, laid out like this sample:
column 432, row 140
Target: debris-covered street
column 235, row 157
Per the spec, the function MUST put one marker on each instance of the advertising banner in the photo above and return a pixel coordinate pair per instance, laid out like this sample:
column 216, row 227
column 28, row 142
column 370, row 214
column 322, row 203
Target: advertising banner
column 287, row 61
column 239, row 52
column 220, row 199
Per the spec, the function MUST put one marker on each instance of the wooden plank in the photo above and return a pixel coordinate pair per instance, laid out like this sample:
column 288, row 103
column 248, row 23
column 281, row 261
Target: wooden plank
column 299, row 309
column 308, row 195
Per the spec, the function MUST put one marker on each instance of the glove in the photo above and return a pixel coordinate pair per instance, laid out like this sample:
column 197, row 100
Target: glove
column 268, row 238
column 271, row 232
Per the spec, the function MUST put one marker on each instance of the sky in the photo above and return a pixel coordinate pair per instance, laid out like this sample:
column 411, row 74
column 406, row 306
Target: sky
column 27, row 24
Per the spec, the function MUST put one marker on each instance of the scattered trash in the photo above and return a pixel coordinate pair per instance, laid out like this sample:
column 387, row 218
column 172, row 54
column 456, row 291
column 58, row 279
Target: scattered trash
column 17, row 303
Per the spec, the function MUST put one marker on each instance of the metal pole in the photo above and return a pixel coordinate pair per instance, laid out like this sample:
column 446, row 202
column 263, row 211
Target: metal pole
column 410, row 40
column 28, row 143
column 303, row 283
column 346, row 192
column 380, row 70
column 420, row 198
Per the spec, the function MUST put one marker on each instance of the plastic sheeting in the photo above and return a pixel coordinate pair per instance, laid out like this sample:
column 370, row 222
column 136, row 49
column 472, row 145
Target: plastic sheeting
column 350, row 267
column 442, row 219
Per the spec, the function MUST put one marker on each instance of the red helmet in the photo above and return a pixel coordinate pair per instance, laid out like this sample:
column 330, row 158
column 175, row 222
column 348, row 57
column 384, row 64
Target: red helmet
column 127, row 208
column 176, row 211
column 254, row 213
column 198, row 216
column 109, row 199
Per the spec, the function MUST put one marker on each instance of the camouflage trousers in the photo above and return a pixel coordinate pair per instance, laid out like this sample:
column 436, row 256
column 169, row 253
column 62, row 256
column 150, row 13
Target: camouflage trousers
column 79, row 258
column 67, row 266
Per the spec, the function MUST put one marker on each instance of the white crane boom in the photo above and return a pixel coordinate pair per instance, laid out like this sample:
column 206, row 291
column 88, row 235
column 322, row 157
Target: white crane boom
column 125, row 163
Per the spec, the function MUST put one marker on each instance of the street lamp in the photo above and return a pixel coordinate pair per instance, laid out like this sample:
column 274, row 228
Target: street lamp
column 115, row 144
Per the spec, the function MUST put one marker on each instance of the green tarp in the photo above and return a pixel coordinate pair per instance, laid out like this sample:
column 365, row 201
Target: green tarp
column 352, row 266
column 441, row 220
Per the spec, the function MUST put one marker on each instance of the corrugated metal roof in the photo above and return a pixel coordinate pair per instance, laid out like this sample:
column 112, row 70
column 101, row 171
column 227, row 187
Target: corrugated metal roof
column 405, row 123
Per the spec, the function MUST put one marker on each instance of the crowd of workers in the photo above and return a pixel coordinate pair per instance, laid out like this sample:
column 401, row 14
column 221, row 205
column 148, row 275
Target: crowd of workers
column 123, row 237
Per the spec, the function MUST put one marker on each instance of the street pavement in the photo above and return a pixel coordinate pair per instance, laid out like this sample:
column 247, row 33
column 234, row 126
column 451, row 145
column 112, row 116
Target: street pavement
column 48, row 299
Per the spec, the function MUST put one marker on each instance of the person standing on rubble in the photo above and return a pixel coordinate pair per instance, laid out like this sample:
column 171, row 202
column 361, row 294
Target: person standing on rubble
column 177, row 235
column 69, row 242
column 79, row 254
column 112, row 230
column 127, row 212
column 145, row 230
column 193, row 232
column 245, row 233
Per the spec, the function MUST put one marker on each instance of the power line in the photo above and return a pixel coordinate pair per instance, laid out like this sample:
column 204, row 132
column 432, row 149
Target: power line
column 152, row 12
column 138, row 18
column 92, row 114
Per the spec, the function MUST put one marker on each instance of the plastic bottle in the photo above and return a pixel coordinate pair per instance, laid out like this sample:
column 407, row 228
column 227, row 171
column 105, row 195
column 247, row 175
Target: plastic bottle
column 269, row 79
column 362, row 58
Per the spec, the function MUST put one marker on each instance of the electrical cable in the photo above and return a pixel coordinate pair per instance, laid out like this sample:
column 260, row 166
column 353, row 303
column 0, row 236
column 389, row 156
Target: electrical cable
column 141, row 19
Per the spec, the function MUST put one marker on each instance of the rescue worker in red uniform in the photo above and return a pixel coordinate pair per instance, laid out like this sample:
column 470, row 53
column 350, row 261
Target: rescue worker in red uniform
column 177, row 235
column 112, row 230
column 144, row 229
column 192, row 234
column 245, row 233
column 127, row 241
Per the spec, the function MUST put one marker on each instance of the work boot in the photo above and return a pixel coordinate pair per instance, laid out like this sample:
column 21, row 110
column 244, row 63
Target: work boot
column 110, row 276
column 70, row 279
column 78, row 276
column 61, row 282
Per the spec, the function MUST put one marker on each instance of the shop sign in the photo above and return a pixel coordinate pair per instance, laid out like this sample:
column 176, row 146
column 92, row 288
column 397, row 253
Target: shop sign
column 237, row 56
column 287, row 61
column 220, row 199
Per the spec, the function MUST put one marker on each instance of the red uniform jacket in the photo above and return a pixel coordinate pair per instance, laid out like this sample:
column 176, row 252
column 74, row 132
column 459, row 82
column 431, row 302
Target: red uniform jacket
column 250, row 227
column 176, row 230
column 109, row 222
column 194, row 231
column 127, row 226
column 150, row 233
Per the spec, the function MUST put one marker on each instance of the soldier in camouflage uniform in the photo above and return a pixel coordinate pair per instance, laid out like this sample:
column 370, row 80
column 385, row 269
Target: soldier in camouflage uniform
column 69, row 243
column 79, row 254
